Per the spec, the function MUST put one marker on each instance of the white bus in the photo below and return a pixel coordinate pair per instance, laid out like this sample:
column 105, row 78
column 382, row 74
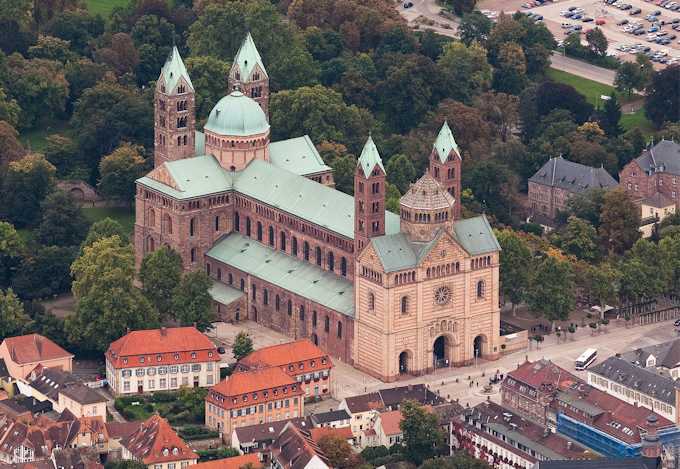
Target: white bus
column 586, row 358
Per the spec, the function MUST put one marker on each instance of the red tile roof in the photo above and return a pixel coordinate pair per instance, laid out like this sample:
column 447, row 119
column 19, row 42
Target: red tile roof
column 249, row 387
column 317, row 433
column 284, row 354
column 33, row 348
column 542, row 372
column 155, row 441
column 390, row 422
column 162, row 343
column 237, row 462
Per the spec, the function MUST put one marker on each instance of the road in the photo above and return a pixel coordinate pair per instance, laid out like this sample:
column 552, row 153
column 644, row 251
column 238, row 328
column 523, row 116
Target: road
column 430, row 10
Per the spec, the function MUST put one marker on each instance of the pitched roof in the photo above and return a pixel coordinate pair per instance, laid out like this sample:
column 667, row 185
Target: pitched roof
column 662, row 157
column 236, row 462
column 121, row 430
column 666, row 354
column 445, row 143
column 300, row 277
column 247, row 57
column 297, row 155
column 266, row 432
column 601, row 463
column 364, row 402
column 294, row 448
column 343, row 432
column 330, row 416
column 390, row 422
column 427, row 194
column 53, row 381
column 33, row 348
column 155, row 441
column 224, row 293
column 83, row 394
column 370, row 158
column 244, row 382
column 572, row 177
column 173, row 70
column 391, row 398
column 284, row 354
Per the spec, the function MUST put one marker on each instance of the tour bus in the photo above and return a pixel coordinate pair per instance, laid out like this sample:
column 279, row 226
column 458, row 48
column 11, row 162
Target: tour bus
column 586, row 359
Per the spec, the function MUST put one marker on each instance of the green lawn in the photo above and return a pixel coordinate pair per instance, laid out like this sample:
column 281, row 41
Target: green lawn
column 637, row 119
column 124, row 216
column 104, row 7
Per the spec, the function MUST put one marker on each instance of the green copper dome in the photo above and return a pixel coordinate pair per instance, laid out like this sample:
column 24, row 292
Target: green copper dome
column 237, row 115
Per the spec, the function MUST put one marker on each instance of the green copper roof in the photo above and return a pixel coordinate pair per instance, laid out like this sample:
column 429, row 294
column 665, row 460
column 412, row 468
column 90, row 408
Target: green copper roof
column 396, row 252
column 370, row 157
column 224, row 293
column 246, row 58
column 445, row 143
column 297, row 276
column 237, row 115
column 173, row 70
column 194, row 177
column 199, row 142
column 297, row 155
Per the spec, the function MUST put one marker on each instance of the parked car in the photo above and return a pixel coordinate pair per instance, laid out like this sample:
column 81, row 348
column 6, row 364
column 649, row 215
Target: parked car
column 635, row 11
column 408, row 4
column 587, row 19
column 600, row 21
column 577, row 16
column 622, row 22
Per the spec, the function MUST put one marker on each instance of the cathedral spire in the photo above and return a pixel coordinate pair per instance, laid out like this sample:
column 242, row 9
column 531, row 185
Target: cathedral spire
column 370, row 157
column 369, row 196
column 445, row 164
column 248, row 75
column 445, row 143
column 173, row 71
column 248, row 57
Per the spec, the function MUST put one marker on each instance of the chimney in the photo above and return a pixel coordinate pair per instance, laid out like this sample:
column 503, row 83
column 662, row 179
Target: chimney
column 164, row 331
column 651, row 445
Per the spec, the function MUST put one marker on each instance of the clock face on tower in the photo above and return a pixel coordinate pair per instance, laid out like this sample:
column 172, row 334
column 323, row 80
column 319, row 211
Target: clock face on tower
column 442, row 295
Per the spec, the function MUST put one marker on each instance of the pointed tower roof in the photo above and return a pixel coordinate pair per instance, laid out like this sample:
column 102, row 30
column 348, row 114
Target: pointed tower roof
column 247, row 56
column 173, row 70
column 370, row 158
column 445, row 143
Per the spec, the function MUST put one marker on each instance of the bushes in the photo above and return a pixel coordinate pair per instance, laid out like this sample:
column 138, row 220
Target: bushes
column 163, row 396
column 217, row 453
column 197, row 432
column 180, row 408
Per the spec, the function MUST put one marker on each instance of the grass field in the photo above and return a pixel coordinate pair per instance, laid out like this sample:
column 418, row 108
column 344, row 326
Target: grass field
column 104, row 7
column 124, row 216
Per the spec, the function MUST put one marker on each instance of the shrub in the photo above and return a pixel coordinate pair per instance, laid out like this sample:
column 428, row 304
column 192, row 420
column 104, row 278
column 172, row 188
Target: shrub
column 163, row 396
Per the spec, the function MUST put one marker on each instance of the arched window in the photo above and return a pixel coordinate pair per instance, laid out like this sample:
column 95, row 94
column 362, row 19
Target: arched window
column 217, row 223
column 290, row 307
column 331, row 261
column 302, row 312
column 305, row 250
column 230, row 279
column 404, row 305
column 247, row 226
column 282, row 241
column 277, row 303
column 293, row 246
column 152, row 218
column 371, row 301
column 207, row 268
column 339, row 330
column 237, row 222
column 219, row 274
column 259, row 231
column 480, row 289
column 343, row 266
column 271, row 236
column 326, row 324
column 150, row 244
column 193, row 228
column 253, row 292
column 265, row 296
column 243, row 285
column 194, row 254
column 313, row 318
column 167, row 224
column 318, row 255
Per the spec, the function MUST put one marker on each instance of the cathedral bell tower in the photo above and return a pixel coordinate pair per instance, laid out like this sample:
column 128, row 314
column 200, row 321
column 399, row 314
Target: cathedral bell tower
column 174, row 112
column 369, row 196
column 445, row 165
column 249, row 76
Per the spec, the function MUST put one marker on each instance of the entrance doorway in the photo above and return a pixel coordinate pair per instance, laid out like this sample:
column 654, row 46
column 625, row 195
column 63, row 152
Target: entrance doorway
column 403, row 363
column 440, row 352
column 478, row 346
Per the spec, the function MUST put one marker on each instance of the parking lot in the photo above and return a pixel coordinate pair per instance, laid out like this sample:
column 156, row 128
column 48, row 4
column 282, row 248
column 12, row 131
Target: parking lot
column 621, row 43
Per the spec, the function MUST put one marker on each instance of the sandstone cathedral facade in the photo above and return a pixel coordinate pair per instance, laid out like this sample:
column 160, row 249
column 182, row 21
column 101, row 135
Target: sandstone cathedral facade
column 391, row 294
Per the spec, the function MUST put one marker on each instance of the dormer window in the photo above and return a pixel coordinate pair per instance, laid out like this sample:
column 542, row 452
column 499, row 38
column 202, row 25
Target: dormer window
column 210, row 354
column 159, row 357
column 181, row 89
column 175, row 451
column 265, row 394
column 177, row 356
column 124, row 361
column 166, row 451
column 141, row 359
column 193, row 354
column 312, row 363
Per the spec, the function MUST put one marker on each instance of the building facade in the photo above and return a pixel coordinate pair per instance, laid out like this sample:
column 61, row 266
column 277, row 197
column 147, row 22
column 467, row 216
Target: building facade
column 656, row 170
column 162, row 359
column 155, row 444
column 22, row 354
column 390, row 294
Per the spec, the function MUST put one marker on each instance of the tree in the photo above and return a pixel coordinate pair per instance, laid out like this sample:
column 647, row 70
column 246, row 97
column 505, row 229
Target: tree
column 551, row 289
column 119, row 171
column 62, row 152
column 422, row 437
column 243, row 345
column 191, row 302
column 51, row 48
column 121, row 55
column 628, row 78
column 579, row 238
column 619, row 221
column 501, row 111
column 10, row 146
column 9, row 109
column 13, row 319
column 153, row 36
column 610, row 116
column 107, row 302
column 660, row 103
column 105, row 229
column 510, row 72
column 474, row 27
column 210, row 78
column 602, row 282
column 344, row 165
column 460, row 461
column 461, row 7
column 587, row 205
column 45, row 272
column 465, row 71
column 646, row 271
column 26, row 184
column 161, row 273
column 62, row 224
column 339, row 453
column 82, row 74
column 12, row 248
column 77, row 27
column 551, row 96
column 515, row 262
column 670, row 248
column 597, row 42
column 495, row 186
column 320, row 113
column 400, row 172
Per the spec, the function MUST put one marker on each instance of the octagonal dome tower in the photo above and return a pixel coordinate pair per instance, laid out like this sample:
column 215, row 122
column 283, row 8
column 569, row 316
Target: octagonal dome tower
column 425, row 208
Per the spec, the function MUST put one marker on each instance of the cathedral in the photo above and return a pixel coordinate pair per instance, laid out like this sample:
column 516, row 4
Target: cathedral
column 391, row 294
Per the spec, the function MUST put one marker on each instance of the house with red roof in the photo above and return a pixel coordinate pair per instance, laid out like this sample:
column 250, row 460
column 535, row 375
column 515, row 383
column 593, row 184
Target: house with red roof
column 161, row 360
column 251, row 397
column 305, row 362
column 23, row 353
column 236, row 462
column 155, row 444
